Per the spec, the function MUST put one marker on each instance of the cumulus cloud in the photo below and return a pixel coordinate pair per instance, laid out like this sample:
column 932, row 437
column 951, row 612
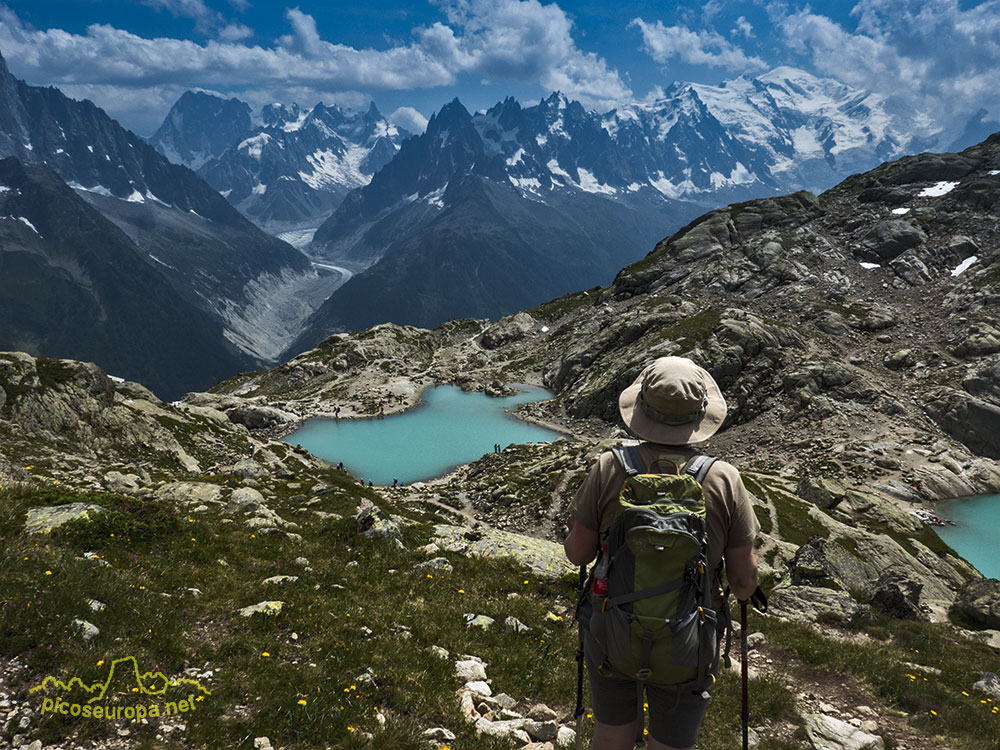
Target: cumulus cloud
column 500, row 40
column 927, row 56
column 742, row 27
column 410, row 119
column 704, row 47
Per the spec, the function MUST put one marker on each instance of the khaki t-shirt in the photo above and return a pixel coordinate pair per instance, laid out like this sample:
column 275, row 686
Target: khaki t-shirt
column 729, row 514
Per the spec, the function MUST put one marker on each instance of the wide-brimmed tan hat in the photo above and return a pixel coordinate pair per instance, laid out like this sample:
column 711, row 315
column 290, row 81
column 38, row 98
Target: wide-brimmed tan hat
column 673, row 402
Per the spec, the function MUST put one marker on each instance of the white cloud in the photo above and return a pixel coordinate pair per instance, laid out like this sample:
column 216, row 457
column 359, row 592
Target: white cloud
column 926, row 56
column 742, row 28
column 524, row 41
column 704, row 47
column 409, row 118
column 234, row 32
column 502, row 40
column 204, row 17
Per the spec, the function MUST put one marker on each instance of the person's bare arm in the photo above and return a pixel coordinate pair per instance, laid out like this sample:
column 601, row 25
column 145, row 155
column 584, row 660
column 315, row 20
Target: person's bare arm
column 741, row 571
column 581, row 544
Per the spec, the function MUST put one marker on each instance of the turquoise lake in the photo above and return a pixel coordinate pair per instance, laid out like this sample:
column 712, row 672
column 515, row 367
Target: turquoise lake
column 976, row 533
column 449, row 427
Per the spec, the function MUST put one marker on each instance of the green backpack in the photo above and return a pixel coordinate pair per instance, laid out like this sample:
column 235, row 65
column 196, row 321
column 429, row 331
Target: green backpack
column 651, row 593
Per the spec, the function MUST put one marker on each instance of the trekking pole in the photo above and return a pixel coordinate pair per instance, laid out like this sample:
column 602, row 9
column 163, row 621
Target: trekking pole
column 579, row 663
column 743, row 668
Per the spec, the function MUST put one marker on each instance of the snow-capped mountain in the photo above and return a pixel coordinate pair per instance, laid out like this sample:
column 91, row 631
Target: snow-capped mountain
column 201, row 126
column 496, row 182
column 257, row 286
column 289, row 170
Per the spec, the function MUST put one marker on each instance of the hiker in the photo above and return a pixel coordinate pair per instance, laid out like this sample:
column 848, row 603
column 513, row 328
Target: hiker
column 395, row 482
column 672, row 404
column 340, row 466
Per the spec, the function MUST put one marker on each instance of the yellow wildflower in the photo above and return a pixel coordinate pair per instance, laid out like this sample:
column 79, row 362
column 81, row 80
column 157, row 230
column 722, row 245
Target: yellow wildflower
column 302, row 702
column 48, row 572
column 265, row 653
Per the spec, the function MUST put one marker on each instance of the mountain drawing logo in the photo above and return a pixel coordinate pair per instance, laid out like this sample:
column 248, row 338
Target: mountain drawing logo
column 123, row 677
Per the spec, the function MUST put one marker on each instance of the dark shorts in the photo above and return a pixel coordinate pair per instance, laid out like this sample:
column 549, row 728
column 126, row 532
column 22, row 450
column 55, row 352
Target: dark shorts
column 674, row 715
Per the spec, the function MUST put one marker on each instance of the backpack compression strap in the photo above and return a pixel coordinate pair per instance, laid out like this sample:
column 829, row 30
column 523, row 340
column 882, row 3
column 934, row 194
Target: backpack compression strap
column 698, row 466
column 628, row 456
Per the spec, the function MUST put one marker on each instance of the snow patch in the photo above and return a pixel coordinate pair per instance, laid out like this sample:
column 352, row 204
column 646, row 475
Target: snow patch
column 634, row 187
column 116, row 379
column 739, row 176
column 964, row 265
column 259, row 189
column 900, row 211
column 938, row 189
column 30, row 225
column 4, row 189
column 60, row 151
column 255, row 146
column 332, row 169
column 225, row 193
column 99, row 189
column 516, row 158
column 555, row 169
column 541, row 140
column 136, row 197
column 90, row 149
column 435, row 198
column 994, row 172
column 525, row 183
column 590, row 184
column 870, row 265
column 153, row 257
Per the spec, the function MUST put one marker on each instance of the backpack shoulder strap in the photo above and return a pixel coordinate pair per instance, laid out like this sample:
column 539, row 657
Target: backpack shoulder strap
column 628, row 456
column 698, row 466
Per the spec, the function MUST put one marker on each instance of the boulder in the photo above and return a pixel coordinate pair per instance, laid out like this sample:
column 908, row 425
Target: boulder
column 259, row 417
column 244, row 500
column 125, row 484
column 44, row 520
column 897, row 593
column 979, row 600
column 812, row 604
column 829, row 733
column 981, row 340
column 189, row 493
column 249, row 469
column 969, row 420
column 375, row 523
column 890, row 238
column 263, row 608
column 507, row 330
column 989, row 684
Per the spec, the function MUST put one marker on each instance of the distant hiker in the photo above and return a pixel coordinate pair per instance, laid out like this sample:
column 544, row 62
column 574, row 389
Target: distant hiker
column 395, row 482
column 369, row 483
column 336, row 413
column 673, row 404
column 252, row 449
column 340, row 466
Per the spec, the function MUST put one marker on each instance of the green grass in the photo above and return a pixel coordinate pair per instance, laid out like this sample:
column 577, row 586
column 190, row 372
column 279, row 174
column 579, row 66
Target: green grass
column 794, row 521
column 942, row 704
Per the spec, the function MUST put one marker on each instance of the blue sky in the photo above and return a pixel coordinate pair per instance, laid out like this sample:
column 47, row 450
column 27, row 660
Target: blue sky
column 135, row 57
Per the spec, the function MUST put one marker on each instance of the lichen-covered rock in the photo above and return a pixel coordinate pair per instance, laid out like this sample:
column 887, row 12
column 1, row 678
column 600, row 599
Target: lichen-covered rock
column 190, row 493
column 263, row 608
column 44, row 520
column 375, row 523
column 543, row 557
column 812, row 604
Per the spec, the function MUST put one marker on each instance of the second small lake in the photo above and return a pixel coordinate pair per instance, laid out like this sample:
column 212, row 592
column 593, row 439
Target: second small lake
column 976, row 531
column 448, row 428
